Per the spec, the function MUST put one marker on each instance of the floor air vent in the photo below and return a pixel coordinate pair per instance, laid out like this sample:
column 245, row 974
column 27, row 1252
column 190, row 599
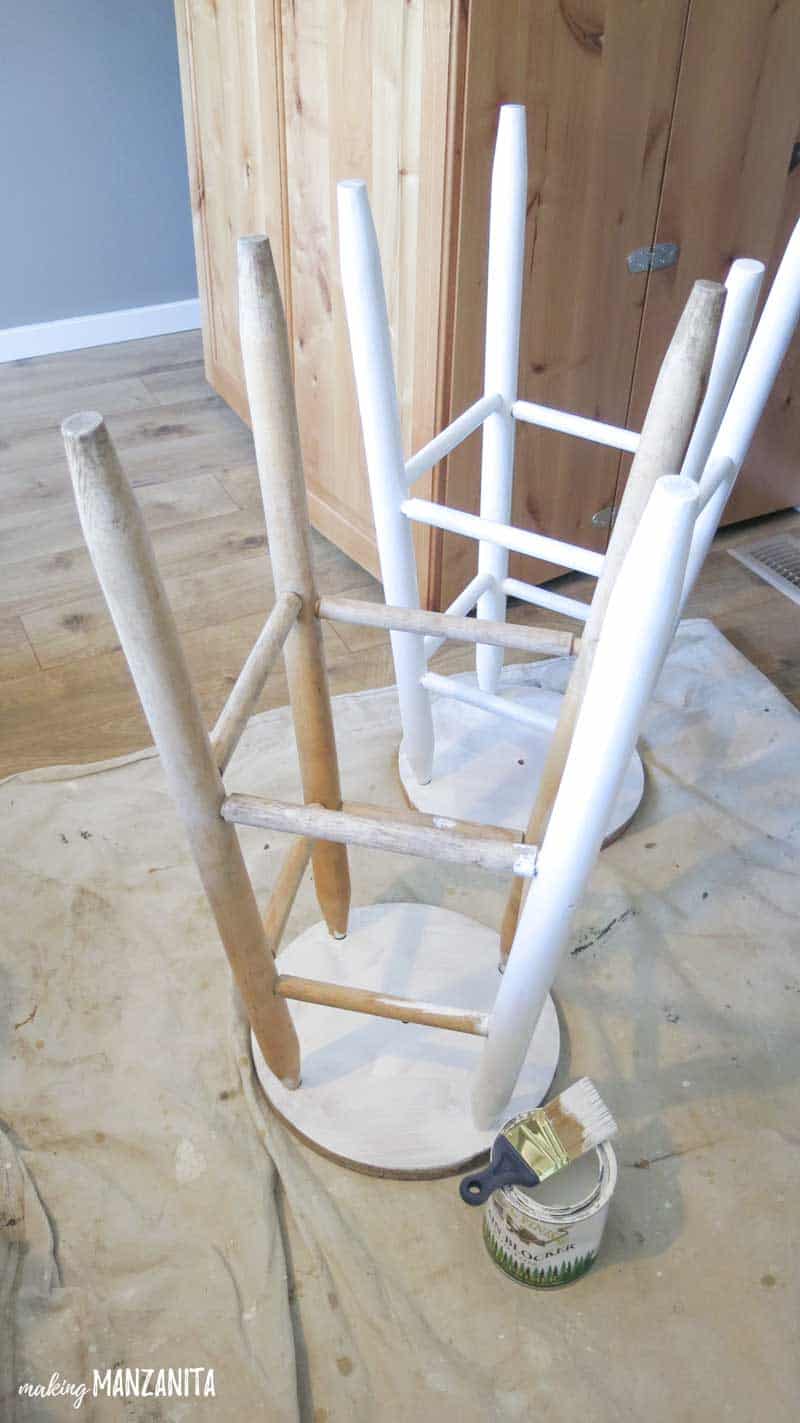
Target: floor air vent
column 776, row 560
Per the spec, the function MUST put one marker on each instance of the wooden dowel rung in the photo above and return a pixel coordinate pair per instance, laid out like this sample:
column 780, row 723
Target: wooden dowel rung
column 381, row 1005
column 460, row 606
column 381, row 832
column 542, row 641
column 407, row 816
column 284, row 892
column 249, row 684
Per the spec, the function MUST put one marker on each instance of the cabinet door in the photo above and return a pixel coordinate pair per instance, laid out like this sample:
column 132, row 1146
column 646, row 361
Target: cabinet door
column 228, row 61
column 728, row 193
column 599, row 79
column 281, row 101
column 366, row 96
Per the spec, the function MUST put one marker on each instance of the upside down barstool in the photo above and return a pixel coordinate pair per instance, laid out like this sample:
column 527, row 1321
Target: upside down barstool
column 409, row 1072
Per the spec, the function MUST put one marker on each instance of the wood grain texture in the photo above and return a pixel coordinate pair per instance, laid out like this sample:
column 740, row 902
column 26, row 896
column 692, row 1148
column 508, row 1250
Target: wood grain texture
column 380, row 1005
column 280, row 102
column 250, row 683
column 536, row 641
column 727, row 193
column 770, row 473
column 270, row 394
column 366, row 91
column 432, row 838
column 231, row 102
column 284, row 893
column 16, row 651
column 598, row 82
column 282, row 99
column 410, row 816
column 122, row 554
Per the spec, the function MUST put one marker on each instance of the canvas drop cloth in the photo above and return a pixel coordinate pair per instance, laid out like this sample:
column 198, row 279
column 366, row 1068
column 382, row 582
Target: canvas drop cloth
column 155, row 1215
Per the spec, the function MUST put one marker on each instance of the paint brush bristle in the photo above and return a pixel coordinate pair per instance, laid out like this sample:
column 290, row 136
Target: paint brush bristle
column 539, row 1143
column 550, row 1137
column 580, row 1118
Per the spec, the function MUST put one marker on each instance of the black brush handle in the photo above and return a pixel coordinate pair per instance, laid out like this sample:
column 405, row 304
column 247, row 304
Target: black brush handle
column 506, row 1168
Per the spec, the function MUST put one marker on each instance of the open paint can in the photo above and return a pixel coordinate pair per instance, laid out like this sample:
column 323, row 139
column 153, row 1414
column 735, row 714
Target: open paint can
column 549, row 1235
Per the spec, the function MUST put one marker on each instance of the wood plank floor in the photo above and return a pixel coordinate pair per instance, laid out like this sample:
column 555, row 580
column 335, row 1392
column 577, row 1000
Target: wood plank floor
column 65, row 692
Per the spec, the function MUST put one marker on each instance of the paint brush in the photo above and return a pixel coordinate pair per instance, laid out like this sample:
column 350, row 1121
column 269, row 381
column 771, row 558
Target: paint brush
column 537, row 1144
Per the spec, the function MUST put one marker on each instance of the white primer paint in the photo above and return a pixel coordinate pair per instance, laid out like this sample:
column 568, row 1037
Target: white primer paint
column 501, row 364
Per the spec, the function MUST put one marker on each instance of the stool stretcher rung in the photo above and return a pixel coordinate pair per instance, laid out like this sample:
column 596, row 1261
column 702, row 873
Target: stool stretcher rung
column 381, row 1005
column 460, row 606
column 281, row 901
column 472, row 526
column 474, row 829
column 568, row 424
column 500, row 706
column 379, row 832
column 450, row 438
column 448, row 625
column 545, row 598
column 250, row 683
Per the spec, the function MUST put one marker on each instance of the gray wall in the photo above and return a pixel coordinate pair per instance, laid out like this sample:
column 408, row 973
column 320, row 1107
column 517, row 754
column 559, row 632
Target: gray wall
column 95, row 197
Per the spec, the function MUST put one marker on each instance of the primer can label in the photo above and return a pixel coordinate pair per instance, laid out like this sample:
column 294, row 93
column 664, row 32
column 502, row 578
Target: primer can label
column 552, row 1238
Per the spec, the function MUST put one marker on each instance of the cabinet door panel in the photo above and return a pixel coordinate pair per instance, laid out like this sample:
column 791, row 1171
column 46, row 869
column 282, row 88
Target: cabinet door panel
column 230, row 100
column 770, row 478
column 598, row 78
column 366, row 88
column 728, row 193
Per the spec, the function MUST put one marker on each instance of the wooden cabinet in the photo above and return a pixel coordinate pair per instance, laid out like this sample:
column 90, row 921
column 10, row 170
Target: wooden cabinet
column 654, row 121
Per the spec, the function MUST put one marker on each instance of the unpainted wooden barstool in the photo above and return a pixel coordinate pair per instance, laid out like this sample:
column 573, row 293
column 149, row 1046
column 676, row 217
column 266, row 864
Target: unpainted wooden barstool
column 409, row 1073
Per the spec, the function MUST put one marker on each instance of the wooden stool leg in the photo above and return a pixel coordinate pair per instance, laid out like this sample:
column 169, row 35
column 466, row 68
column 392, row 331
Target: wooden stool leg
column 121, row 552
column 270, row 392
column 667, row 429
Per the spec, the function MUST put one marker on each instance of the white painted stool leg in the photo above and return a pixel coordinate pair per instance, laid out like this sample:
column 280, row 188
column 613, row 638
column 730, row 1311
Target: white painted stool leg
column 760, row 367
column 123, row 558
column 634, row 638
column 768, row 347
column 368, row 324
column 501, row 363
column 666, row 432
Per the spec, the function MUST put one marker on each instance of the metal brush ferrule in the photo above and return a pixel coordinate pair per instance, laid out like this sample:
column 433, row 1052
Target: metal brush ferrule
column 538, row 1144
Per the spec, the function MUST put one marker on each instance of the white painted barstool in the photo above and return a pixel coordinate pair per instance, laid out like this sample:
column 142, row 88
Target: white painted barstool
column 452, row 760
column 391, row 1097
column 738, row 390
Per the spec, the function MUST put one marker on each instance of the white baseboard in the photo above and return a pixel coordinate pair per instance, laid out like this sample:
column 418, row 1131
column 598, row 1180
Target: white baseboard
column 45, row 338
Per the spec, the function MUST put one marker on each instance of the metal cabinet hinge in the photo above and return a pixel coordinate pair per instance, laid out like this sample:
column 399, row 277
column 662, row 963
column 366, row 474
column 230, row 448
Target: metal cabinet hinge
column 651, row 259
column 604, row 518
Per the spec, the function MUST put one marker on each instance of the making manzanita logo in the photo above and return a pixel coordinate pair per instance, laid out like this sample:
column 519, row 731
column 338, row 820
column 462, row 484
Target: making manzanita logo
column 119, row 1382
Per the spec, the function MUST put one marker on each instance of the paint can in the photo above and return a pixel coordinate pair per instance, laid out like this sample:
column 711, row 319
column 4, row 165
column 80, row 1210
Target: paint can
column 549, row 1235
